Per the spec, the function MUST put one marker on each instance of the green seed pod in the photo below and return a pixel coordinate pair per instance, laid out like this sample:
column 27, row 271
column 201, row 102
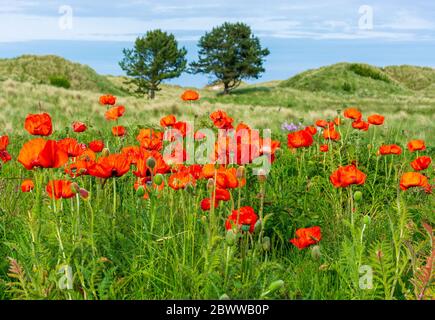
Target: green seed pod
column 276, row 285
column 266, row 243
column 240, row 173
column 315, row 252
column 210, row 183
column 151, row 163
column 246, row 227
column 140, row 192
column 158, row 179
column 105, row 152
column 257, row 226
column 357, row 196
column 230, row 237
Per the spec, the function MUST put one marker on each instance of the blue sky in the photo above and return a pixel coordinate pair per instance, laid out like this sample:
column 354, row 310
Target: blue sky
column 34, row 26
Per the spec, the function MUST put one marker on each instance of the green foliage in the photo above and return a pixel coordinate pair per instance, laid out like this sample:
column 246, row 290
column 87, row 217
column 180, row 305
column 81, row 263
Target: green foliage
column 231, row 54
column 365, row 70
column 60, row 82
column 154, row 58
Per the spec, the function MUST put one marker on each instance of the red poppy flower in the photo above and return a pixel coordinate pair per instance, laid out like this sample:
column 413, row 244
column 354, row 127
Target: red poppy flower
column 58, row 189
column 352, row 113
column 118, row 131
column 72, row 147
column 311, row 130
column 322, row 123
column 42, row 153
column 168, row 121
column 206, row 204
column 221, row 120
column 180, row 180
column 246, row 217
column 108, row 100
column 27, row 186
column 114, row 113
column 39, row 124
column 299, row 139
column 389, row 149
column 324, row 148
column 79, row 127
column 421, row 163
column 96, row 145
column 4, row 154
column 331, row 134
column 376, row 119
column 414, row 179
column 190, row 95
column 360, row 125
column 227, row 179
column 346, row 176
column 416, row 145
column 114, row 165
column 306, row 237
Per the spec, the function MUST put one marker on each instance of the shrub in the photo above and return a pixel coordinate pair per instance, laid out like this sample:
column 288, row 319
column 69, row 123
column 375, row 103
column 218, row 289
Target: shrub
column 60, row 82
column 368, row 71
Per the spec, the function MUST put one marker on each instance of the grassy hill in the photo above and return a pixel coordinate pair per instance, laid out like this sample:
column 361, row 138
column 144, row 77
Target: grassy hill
column 56, row 71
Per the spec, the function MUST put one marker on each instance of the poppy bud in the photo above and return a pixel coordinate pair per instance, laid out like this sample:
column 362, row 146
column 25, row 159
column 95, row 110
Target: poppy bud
column 276, row 285
column 357, row 196
column 75, row 187
column 230, row 237
column 84, row 193
column 266, row 243
column 367, row 219
column 204, row 219
column 210, row 184
column 240, row 173
column 315, row 252
column 246, row 227
column 189, row 187
column 257, row 226
column 224, row 297
column 140, row 192
column 158, row 179
column 151, row 163
column 105, row 152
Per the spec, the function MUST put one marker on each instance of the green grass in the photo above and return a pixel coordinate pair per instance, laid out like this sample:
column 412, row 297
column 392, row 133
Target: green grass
column 122, row 247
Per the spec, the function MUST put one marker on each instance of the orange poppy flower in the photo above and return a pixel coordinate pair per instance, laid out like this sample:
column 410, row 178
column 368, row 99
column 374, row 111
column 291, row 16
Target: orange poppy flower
column 416, row 145
column 337, row 121
column 299, row 139
column 114, row 113
column 324, row 148
column 345, row 176
column 4, row 154
column 421, row 163
column 376, row 119
column 96, row 145
column 360, row 125
column 221, row 120
column 114, row 165
column 226, row 179
column 390, row 149
column 331, row 134
column 150, row 139
column 118, row 131
column 39, row 124
column 306, row 237
column 190, row 95
column 108, row 100
column 180, row 180
column 79, row 127
column 71, row 147
column 78, row 168
column 168, row 121
column 59, row 189
column 352, row 113
column 42, row 153
column 414, row 179
column 243, row 218
column 27, row 186
column 322, row 123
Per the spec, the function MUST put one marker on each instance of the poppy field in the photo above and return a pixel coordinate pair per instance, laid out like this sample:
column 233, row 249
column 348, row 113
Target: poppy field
column 202, row 201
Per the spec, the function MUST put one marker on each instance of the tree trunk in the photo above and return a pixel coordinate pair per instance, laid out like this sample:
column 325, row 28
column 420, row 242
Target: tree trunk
column 226, row 88
column 151, row 94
